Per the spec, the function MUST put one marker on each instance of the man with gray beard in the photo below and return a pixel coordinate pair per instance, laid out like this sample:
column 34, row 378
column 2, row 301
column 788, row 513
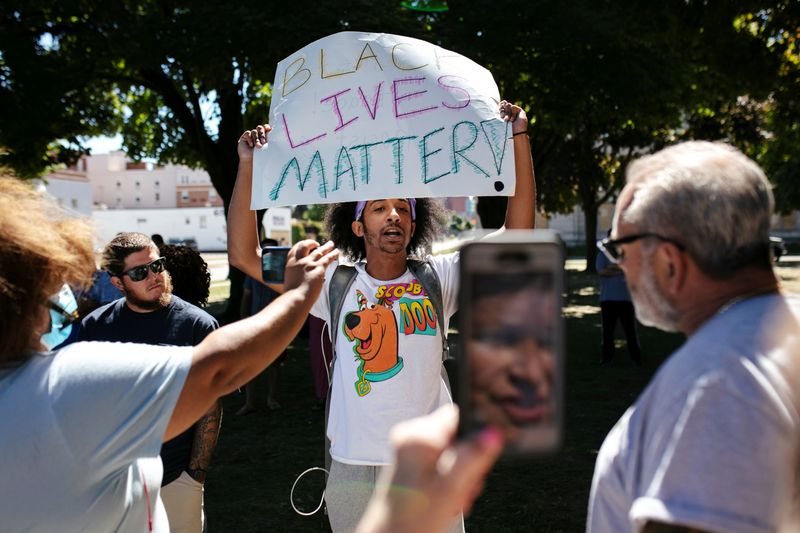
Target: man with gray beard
column 150, row 314
column 712, row 442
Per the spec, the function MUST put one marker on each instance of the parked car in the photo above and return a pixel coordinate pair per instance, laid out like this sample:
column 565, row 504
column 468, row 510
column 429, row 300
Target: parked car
column 778, row 248
column 191, row 242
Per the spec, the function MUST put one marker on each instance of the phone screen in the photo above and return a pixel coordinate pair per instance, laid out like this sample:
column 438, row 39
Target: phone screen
column 273, row 263
column 511, row 340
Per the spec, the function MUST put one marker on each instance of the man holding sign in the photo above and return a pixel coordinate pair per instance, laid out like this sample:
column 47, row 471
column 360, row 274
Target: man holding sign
column 388, row 336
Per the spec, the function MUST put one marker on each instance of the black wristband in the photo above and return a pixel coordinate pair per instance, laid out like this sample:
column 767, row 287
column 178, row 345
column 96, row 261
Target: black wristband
column 523, row 132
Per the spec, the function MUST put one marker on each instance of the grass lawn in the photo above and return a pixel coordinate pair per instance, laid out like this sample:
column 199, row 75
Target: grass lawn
column 260, row 455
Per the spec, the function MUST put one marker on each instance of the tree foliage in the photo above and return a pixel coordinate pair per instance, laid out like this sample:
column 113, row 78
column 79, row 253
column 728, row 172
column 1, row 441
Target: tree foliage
column 602, row 81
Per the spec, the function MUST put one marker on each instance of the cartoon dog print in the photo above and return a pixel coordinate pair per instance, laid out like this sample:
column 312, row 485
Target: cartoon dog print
column 373, row 328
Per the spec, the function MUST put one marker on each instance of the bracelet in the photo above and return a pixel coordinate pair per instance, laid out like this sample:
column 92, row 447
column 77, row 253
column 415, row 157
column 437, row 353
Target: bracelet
column 524, row 132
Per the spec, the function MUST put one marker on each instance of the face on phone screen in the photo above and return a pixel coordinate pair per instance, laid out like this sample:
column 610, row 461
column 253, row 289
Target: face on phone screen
column 512, row 329
column 273, row 263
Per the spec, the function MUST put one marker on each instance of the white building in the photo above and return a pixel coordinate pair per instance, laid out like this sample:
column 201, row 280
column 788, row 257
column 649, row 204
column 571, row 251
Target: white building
column 203, row 226
column 118, row 183
column 70, row 187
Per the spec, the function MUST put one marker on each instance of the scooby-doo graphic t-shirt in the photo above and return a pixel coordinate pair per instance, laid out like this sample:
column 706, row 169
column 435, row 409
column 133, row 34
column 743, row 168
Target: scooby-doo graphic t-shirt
column 388, row 358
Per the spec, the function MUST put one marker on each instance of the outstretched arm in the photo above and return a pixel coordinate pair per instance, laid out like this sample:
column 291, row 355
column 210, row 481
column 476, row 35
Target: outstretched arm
column 521, row 210
column 233, row 355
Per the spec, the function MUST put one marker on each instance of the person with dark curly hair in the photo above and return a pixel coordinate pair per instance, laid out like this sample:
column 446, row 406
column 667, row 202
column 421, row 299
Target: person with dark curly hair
column 388, row 336
column 191, row 279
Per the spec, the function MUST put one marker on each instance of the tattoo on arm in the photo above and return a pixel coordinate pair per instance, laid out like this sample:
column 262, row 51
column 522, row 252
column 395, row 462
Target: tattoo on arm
column 205, row 438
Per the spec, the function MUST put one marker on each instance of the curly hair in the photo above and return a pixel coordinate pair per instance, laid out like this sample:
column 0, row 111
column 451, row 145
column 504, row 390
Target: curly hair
column 41, row 248
column 190, row 277
column 429, row 222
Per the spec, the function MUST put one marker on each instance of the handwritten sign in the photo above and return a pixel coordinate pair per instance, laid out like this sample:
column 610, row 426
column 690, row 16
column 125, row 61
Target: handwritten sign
column 359, row 116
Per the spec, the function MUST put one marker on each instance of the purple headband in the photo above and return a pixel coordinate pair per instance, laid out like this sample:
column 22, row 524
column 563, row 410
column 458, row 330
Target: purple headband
column 411, row 202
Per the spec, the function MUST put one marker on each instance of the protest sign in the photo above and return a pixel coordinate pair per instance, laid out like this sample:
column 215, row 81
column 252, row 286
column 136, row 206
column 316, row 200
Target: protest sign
column 359, row 116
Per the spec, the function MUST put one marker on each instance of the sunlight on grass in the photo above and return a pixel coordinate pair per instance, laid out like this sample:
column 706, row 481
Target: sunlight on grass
column 790, row 278
column 580, row 311
column 220, row 291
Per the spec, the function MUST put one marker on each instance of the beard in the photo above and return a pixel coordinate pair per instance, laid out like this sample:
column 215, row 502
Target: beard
column 651, row 305
column 162, row 301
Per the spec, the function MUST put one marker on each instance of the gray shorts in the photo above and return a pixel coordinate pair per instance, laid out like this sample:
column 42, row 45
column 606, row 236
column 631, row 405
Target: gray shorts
column 348, row 492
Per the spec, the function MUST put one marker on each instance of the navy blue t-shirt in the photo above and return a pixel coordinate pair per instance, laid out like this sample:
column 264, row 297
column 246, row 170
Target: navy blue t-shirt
column 178, row 324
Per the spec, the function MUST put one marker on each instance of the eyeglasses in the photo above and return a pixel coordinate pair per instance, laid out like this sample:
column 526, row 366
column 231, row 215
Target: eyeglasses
column 612, row 250
column 140, row 272
column 67, row 317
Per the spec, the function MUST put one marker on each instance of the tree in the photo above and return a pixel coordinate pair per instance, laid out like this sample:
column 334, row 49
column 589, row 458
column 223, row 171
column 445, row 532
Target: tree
column 777, row 27
column 179, row 79
column 603, row 82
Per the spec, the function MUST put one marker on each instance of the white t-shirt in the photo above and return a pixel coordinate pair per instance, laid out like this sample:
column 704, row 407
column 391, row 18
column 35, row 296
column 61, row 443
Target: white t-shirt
column 388, row 358
column 80, row 432
column 712, row 442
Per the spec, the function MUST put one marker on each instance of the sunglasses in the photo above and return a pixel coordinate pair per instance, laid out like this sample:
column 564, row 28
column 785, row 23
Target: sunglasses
column 140, row 272
column 67, row 317
column 612, row 248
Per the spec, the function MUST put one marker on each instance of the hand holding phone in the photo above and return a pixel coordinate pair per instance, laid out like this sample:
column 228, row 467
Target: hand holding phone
column 511, row 334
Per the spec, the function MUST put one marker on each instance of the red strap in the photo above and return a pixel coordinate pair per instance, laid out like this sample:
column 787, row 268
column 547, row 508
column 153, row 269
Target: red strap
column 147, row 500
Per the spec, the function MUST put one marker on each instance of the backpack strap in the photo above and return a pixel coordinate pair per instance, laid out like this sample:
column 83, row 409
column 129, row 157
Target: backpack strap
column 427, row 276
column 341, row 281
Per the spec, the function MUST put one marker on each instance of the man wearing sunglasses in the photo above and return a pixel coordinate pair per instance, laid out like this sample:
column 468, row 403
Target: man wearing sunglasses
column 150, row 314
column 712, row 442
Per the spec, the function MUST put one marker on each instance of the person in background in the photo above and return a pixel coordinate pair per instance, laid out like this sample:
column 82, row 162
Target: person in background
column 157, row 239
column 255, row 297
column 320, row 354
column 150, row 313
column 191, row 280
column 615, row 304
column 95, row 414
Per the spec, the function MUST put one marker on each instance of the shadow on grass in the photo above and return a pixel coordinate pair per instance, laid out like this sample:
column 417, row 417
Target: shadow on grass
column 260, row 455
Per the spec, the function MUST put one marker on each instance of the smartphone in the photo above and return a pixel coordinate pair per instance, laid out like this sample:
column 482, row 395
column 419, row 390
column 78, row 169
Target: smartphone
column 273, row 263
column 511, row 339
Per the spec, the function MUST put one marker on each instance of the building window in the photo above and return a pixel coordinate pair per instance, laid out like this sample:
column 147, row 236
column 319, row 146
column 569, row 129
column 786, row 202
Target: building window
column 119, row 185
column 74, row 203
column 138, row 200
column 158, row 197
column 212, row 194
column 184, row 180
column 119, row 201
column 156, row 184
column 138, row 185
column 184, row 196
column 188, row 221
column 203, row 222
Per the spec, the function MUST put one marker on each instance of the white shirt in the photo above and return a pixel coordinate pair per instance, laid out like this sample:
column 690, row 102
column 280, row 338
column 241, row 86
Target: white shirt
column 80, row 433
column 712, row 442
column 395, row 322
